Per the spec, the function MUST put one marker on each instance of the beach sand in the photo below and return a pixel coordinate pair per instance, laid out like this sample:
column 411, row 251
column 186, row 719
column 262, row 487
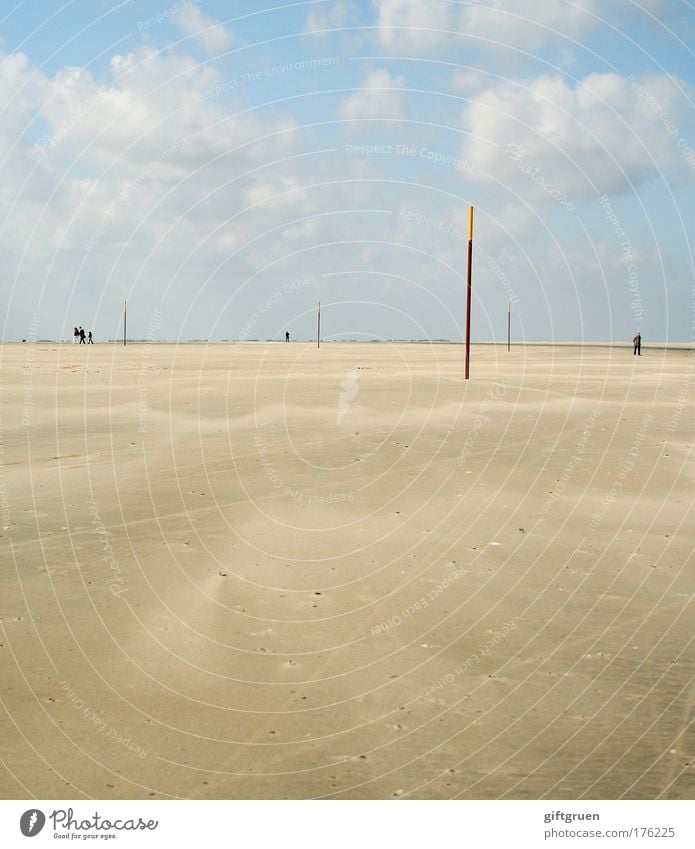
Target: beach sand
column 270, row 571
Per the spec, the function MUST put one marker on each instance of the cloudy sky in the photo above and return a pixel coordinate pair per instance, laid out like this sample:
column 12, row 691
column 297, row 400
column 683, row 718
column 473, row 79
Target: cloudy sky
column 223, row 166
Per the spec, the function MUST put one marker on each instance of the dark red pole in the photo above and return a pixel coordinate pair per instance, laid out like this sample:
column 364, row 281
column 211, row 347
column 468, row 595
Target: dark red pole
column 468, row 290
column 318, row 326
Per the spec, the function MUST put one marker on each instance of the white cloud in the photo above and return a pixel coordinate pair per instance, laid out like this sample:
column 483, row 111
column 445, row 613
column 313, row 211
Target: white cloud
column 412, row 24
column 278, row 189
column 323, row 17
column 424, row 26
column 305, row 232
column 467, row 81
column 547, row 139
column 378, row 97
column 513, row 22
column 212, row 36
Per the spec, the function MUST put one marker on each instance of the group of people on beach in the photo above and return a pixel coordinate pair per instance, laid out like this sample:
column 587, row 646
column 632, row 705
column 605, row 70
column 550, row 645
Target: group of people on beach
column 80, row 336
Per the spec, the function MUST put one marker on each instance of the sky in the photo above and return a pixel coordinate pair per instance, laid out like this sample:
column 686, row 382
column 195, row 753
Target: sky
column 225, row 166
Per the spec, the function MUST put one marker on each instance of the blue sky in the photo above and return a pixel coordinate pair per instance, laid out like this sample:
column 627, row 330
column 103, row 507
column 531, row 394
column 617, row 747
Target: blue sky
column 225, row 171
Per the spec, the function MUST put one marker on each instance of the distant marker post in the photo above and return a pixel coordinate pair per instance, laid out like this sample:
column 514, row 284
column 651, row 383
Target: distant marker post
column 509, row 325
column 318, row 326
column 125, row 320
column 468, row 290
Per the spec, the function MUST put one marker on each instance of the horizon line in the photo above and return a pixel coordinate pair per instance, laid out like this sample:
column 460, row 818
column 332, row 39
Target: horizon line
column 545, row 342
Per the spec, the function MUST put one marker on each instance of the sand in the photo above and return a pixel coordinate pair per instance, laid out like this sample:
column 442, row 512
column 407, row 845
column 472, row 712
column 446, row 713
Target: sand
column 267, row 571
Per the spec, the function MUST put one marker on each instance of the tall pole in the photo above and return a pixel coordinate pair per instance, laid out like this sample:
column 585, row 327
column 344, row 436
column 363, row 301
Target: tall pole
column 509, row 325
column 318, row 326
column 125, row 320
column 468, row 290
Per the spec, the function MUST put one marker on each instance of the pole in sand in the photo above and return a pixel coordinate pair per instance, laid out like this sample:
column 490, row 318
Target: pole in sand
column 468, row 290
column 509, row 325
column 318, row 326
column 125, row 319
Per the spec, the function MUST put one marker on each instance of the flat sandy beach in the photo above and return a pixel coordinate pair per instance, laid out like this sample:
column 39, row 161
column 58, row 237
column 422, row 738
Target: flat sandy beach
column 271, row 571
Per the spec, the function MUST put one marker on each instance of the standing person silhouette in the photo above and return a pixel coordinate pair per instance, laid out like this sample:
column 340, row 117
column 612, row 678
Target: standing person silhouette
column 287, row 336
column 75, row 334
column 637, row 343
column 90, row 340
column 82, row 342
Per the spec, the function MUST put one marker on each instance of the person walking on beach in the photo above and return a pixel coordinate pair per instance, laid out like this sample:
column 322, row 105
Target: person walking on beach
column 82, row 342
column 75, row 334
column 637, row 342
column 287, row 336
column 90, row 340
